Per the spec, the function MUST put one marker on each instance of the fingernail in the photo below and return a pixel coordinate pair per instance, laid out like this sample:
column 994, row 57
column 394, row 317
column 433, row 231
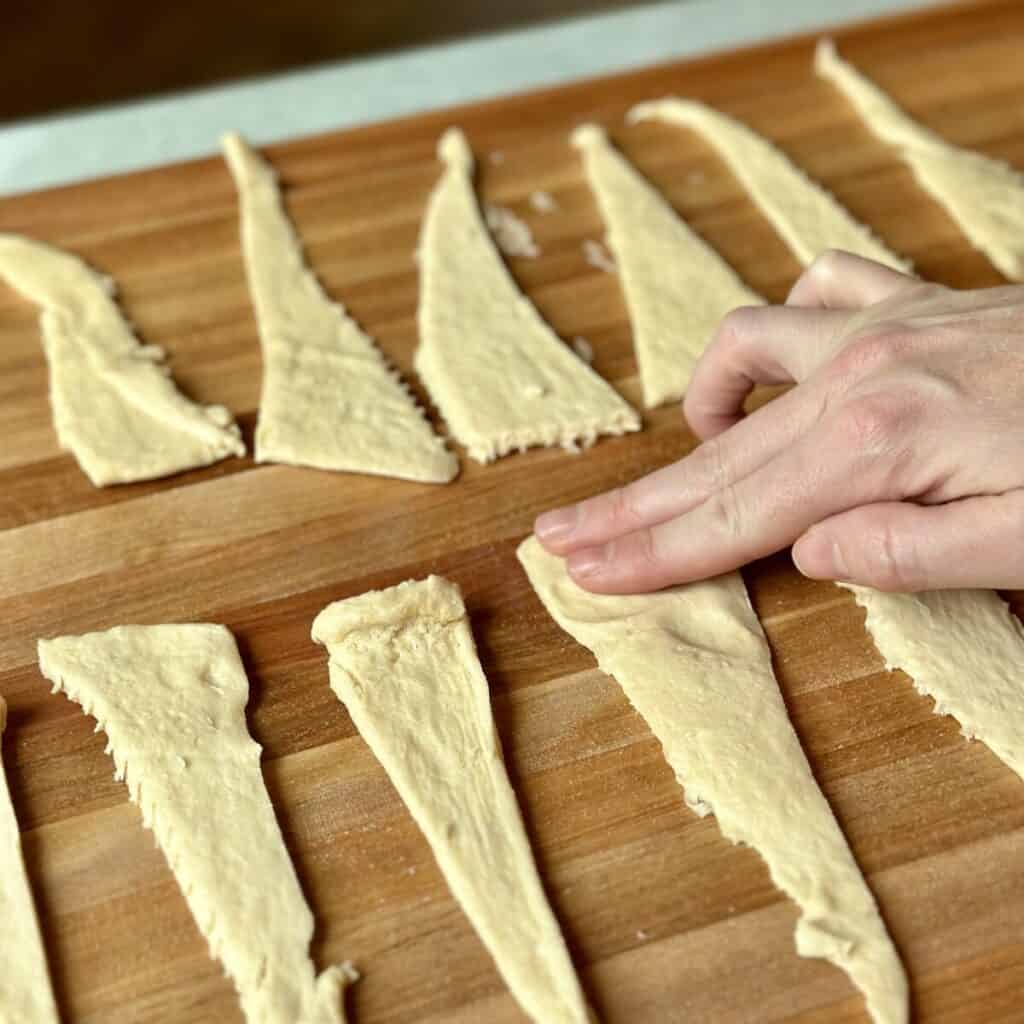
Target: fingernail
column 557, row 524
column 586, row 564
column 818, row 557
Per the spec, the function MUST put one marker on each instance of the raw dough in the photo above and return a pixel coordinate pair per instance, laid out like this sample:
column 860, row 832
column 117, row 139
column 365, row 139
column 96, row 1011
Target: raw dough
column 677, row 287
column 984, row 196
column 403, row 662
column 694, row 662
column 807, row 217
column 963, row 648
column 25, row 993
column 511, row 234
column 500, row 376
column 171, row 700
column 114, row 405
column 329, row 398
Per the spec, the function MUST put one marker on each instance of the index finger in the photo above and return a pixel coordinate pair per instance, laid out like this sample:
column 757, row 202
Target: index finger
column 679, row 487
column 819, row 476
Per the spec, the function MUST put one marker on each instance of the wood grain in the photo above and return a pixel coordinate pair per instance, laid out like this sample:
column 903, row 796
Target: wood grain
column 666, row 920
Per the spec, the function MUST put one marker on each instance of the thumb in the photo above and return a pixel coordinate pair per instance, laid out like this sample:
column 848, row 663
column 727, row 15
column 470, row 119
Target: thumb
column 899, row 546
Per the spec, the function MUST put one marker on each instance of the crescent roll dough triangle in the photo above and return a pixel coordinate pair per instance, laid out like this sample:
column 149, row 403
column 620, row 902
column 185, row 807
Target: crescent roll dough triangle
column 676, row 286
column 800, row 209
column 403, row 662
column 25, row 992
column 964, row 649
column 171, row 700
column 114, row 405
column 500, row 376
column 329, row 398
column 984, row 196
column 694, row 662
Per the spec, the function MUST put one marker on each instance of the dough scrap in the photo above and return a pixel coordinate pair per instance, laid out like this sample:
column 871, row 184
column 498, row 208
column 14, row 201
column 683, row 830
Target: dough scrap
column 25, row 992
column 403, row 662
column 329, row 398
column 500, row 376
column 694, row 662
column 807, row 217
column 962, row 648
column 984, row 196
column 171, row 700
column 511, row 234
column 115, row 407
column 676, row 286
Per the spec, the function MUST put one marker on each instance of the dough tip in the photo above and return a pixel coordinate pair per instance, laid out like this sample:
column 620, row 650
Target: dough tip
column 648, row 110
column 587, row 134
column 825, row 52
column 453, row 149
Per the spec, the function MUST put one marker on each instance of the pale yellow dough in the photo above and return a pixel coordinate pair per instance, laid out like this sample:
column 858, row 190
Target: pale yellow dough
column 964, row 649
column 676, row 286
column 403, row 662
column 808, row 218
column 694, row 662
column 25, row 993
column 984, row 196
column 114, row 405
column 171, row 700
column 502, row 379
column 329, row 398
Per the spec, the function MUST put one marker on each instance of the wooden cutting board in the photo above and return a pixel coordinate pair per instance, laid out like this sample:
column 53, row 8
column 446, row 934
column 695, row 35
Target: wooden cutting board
column 666, row 920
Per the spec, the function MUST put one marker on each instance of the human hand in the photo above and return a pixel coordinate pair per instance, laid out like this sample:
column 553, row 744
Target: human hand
column 897, row 461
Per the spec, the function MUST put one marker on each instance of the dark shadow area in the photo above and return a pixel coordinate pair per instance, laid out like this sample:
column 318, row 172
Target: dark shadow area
column 60, row 56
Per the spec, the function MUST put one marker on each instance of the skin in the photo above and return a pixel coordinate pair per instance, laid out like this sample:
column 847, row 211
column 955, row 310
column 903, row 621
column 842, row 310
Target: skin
column 896, row 461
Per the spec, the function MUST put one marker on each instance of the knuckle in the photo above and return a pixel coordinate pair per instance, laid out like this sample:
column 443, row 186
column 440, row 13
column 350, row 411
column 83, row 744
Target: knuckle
column 890, row 563
column 712, row 472
column 735, row 331
column 825, row 264
column 739, row 325
column 647, row 550
column 870, row 423
column 870, row 350
column 639, row 552
column 727, row 514
column 622, row 508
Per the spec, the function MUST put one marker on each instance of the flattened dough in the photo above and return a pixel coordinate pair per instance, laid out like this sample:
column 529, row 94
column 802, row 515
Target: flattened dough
column 984, row 196
column 694, row 662
column 500, row 376
column 808, row 218
column 115, row 406
column 676, row 286
column 964, row 649
column 171, row 700
column 403, row 662
column 25, row 993
column 329, row 399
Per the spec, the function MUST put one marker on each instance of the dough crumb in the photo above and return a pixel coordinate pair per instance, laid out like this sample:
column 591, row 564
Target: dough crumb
column 598, row 256
column 583, row 349
column 642, row 935
column 511, row 234
column 543, row 202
